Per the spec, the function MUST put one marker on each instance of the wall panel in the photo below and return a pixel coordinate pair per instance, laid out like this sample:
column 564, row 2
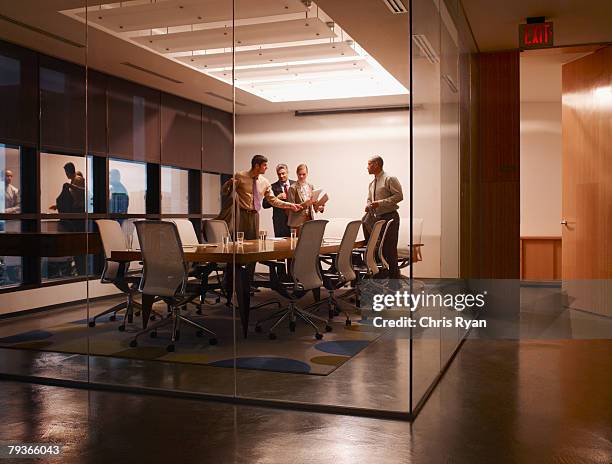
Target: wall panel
column 181, row 132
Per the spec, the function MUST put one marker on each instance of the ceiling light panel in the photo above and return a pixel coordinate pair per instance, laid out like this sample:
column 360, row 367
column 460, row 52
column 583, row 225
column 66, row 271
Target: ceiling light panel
column 253, row 34
column 281, row 51
column 171, row 13
column 326, row 51
column 280, row 73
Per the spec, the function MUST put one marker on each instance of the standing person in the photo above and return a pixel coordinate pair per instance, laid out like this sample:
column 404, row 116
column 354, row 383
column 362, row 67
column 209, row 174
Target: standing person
column 119, row 198
column 251, row 187
column 301, row 194
column 12, row 200
column 72, row 197
column 384, row 193
column 280, row 188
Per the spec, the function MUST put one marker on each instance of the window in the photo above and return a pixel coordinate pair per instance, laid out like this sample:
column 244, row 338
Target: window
column 10, row 266
column 127, row 184
column 175, row 190
column 62, row 183
column 211, row 193
column 10, row 180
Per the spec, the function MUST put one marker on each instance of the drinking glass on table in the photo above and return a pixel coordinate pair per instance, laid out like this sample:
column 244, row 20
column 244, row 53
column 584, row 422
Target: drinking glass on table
column 240, row 238
column 225, row 240
column 263, row 234
column 293, row 234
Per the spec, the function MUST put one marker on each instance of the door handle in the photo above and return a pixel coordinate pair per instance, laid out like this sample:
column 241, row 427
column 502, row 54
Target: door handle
column 563, row 222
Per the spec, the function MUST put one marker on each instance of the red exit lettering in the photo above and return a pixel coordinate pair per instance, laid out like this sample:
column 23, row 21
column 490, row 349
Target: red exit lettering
column 537, row 35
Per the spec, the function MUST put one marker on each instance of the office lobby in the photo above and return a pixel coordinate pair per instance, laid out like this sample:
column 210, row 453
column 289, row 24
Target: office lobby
column 348, row 231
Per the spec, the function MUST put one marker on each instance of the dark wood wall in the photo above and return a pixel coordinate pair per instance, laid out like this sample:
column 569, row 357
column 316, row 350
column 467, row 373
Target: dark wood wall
column 491, row 168
column 124, row 119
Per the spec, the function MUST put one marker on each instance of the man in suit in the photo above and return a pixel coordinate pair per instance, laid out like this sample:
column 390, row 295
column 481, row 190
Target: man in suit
column 280, row 189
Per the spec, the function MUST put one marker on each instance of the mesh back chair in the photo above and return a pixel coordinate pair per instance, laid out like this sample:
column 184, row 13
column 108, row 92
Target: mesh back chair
column 116, row 273
column 368, row 266
column 305, row 276
column 404, row 253
column 165, row 276
column 215, row 230
column 384, row 265
column 341, row 272
column 186, row 232
column 189, row 237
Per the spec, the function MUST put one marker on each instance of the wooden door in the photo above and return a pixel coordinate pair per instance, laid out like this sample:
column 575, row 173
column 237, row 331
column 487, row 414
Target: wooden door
column 587, row 182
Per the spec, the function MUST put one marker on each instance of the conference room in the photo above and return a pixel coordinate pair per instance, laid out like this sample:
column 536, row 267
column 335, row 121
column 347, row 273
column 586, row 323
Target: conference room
column 189, row 191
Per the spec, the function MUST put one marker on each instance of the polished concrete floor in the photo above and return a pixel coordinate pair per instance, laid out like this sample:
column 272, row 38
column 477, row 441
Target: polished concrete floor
column 499, row 402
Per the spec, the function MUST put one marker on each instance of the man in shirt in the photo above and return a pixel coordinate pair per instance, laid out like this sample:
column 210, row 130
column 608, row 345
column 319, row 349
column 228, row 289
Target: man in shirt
column 12, row 201
column 384, row 193
column 251, row 188
column 280, row 189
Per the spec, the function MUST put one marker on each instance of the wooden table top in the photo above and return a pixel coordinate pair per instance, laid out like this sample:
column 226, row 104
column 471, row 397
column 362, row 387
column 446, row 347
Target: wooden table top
column 252, row 251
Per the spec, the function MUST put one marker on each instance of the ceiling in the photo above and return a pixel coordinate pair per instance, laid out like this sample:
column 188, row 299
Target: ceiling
column 575, row 21
column 378, row 45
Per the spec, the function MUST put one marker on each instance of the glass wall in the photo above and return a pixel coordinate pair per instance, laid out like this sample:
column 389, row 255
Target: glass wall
column 46, row 190
column 186, row 99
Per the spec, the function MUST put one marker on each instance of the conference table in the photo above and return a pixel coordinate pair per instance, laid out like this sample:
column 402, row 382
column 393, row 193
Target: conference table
column 249, row 253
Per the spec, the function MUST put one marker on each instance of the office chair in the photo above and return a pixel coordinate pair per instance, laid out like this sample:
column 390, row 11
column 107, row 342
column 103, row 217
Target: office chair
column 116, row 273
column 165, row 276
column 341, row 272
column 384, row 265
column 305, row 276
column 367, row 267
column 215, row 230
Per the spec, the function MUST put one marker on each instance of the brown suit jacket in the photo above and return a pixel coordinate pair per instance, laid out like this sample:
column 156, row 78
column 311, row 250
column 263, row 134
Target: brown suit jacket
column 295, row 196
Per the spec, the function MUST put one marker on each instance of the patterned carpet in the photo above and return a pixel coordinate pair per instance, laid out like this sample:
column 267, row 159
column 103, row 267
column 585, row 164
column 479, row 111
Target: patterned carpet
column 296, row 352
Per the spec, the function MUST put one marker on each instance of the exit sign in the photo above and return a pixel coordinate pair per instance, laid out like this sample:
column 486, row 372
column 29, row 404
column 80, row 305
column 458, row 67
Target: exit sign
column 535, row 35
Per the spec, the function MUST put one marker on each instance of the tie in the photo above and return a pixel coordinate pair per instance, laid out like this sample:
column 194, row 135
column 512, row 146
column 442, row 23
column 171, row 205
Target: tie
column 374, row 192
column 256, row 199
column 285, row 188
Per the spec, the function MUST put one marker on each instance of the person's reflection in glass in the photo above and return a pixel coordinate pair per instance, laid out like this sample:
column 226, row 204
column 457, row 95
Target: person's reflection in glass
column 119, row 198
column 12, row 200
column 70, row 200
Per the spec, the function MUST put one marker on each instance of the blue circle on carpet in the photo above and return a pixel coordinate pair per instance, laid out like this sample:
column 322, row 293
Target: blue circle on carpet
column 342, row 347
column 266, row 363
column 31, row 336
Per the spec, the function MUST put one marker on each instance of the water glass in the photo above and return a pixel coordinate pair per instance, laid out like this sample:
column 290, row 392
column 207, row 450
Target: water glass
column 293, row 234
column 263, row 235
column 240, row 238
column 225, row 240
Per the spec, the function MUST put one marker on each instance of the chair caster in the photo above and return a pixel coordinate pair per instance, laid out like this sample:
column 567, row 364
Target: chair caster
column 92, row 324
column 212, row 341
column 318, row 336
column 121, row 328
column 133, row 344
column 112, row 318
column 258, row 328
column 348, row 322
column 292, row 326
column 217, row 300
column 153, row 334
column 328, row 328
column 170, row 348
column 272, row 336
